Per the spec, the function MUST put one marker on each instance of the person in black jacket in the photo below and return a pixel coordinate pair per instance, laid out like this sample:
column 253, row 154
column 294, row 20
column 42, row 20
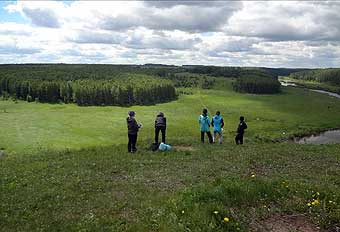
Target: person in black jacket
column 133, row 128
column 240, row 131
column 160, row 125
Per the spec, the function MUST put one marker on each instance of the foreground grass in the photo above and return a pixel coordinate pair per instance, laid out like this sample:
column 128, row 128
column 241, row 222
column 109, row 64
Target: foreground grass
column 109, row 190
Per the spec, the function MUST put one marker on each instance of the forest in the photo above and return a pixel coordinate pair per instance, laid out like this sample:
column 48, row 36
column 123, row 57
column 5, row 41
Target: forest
column 331, row 75
column 83, row 84
column 257, row 84
column 123, row 85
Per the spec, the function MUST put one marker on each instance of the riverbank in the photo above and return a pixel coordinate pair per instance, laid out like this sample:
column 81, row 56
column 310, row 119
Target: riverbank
column 286, row 81
column 323, row 137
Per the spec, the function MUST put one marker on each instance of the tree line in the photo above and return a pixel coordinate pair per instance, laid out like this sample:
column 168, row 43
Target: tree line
column 189, row 80
column 257, row 84
column 83, row 86
column 331, row 76
column 100, row 84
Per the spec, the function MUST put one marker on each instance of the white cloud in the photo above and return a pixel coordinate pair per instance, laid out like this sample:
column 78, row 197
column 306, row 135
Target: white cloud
column 294, row 34
column 286, row 21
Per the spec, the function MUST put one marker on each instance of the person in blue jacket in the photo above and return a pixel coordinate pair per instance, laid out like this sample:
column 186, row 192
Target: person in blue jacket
column 204, row 122
column 217, row 123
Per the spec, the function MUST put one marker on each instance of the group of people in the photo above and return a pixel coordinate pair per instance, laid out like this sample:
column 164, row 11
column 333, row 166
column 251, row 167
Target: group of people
column 216, row 123
column 133, row 128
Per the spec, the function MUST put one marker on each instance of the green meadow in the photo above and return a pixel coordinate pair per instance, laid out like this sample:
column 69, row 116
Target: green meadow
column 66, row 168
column 27, row 127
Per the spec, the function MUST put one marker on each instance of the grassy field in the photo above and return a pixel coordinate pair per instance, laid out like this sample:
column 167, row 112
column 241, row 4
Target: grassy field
column 27, row 127
column 66, row 167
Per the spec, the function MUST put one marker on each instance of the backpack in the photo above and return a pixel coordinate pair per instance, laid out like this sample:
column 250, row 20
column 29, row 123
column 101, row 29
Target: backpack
column 160, row 121
column 164, row 147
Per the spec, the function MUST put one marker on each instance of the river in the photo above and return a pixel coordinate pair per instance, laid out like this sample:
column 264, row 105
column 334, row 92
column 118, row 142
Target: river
column 330, row 136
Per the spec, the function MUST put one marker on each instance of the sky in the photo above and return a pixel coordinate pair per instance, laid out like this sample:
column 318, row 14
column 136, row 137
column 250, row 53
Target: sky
column 294, row 34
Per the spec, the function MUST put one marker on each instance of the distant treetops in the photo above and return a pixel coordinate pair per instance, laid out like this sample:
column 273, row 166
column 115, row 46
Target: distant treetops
column 83, row 86
column 123, row 85
column 257, row 84
column 330, row 75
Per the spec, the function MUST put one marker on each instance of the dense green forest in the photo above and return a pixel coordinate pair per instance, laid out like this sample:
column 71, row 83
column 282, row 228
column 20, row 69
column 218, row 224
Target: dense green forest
column 100, row 84
column 84, row 85
column 331, row 76
column 283, row 71
column 229, row 72
column 257, row 84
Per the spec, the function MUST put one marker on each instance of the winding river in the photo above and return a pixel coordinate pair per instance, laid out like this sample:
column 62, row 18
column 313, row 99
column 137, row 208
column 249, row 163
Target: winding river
column 327, row 137
column 326, row 92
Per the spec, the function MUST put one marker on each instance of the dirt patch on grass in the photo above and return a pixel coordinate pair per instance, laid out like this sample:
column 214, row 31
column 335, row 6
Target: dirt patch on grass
column 184, row 148
column 286, row 223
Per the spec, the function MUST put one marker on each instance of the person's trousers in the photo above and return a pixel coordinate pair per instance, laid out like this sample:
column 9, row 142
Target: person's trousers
column 220, row 136
column 162, row 129
column 209, row 136
column 239, row 138
column 132, row 142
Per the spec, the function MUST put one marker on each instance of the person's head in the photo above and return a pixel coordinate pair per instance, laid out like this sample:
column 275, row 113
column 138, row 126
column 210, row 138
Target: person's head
column 241, row 118
column 160, row 114
column 205, row 111
column 218, row 113
column 131, row 113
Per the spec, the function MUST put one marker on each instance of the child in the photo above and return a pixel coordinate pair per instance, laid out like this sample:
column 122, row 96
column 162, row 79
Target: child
column 133, row 128
column 204, row 122
column 160, row 125
column 217, row 123
column 240, row 131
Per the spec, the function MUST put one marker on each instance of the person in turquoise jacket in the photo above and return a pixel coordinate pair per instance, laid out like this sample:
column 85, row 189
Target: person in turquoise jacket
column 217, row 123
column 204, row 122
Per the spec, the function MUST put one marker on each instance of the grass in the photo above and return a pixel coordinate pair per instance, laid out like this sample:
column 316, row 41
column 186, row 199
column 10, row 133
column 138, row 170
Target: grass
column 66, row 167
column 30, row 127
column 105, row 189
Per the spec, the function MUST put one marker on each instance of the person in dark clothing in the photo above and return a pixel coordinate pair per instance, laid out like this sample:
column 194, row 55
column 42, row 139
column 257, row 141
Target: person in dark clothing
column 160, row 125
column 240, row 131
column 204, row 122
column 133, row 128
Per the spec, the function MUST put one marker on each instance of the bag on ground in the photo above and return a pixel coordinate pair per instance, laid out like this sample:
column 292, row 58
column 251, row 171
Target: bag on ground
column 164, row 147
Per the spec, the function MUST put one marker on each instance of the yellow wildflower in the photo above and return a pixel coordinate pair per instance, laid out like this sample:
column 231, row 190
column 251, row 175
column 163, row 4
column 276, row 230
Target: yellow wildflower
column 316, row 202
column 308, row 204
column 226, row 219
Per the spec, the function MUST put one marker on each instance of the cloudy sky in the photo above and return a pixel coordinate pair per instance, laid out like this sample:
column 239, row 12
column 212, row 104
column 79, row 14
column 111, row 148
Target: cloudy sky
column 232, row 33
